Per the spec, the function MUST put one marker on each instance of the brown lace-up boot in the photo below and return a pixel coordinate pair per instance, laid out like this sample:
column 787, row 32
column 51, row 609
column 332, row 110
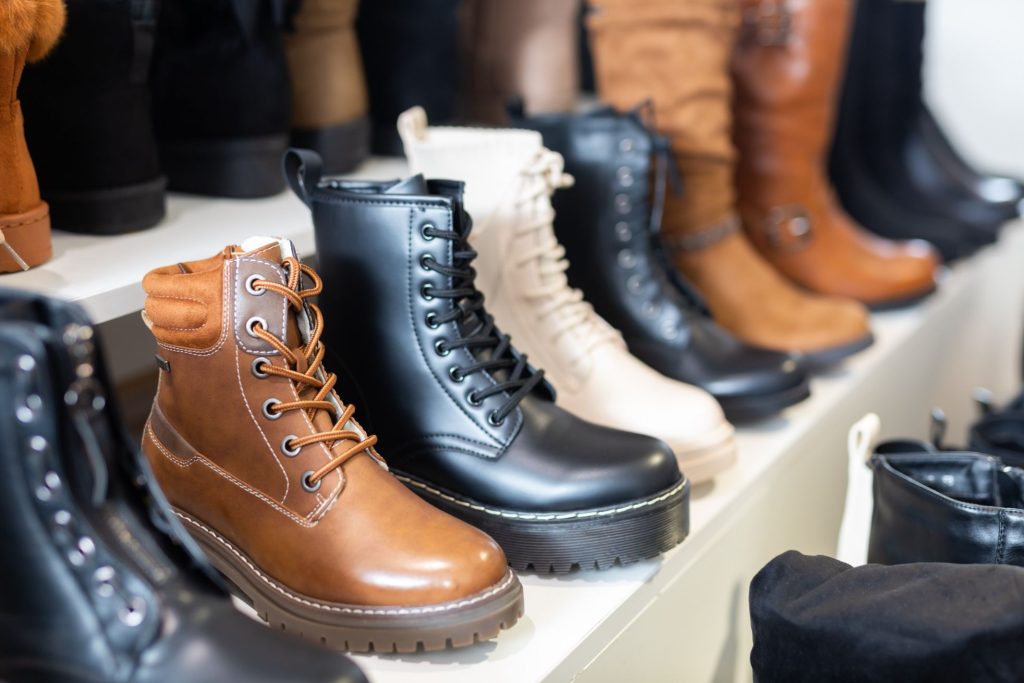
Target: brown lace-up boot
column 786, row 71
column 28, row 29
column 676, row 53
column 283, row 489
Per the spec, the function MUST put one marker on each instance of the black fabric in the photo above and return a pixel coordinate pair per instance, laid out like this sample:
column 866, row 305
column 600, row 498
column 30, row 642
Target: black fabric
column 819, row 620
column 610, row 232
column 219, row 70
column 932, row 506
column 410, row 54
column 882, row 171
column 1001, row 433
column 87, row 105
column 101, row 582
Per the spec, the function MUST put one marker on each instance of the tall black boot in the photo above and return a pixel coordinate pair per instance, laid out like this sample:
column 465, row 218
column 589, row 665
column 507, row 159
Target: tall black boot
column 101, row 583
column 881, row 175
column 610, row 232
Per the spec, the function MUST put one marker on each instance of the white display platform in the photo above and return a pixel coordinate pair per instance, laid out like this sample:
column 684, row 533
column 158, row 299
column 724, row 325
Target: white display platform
column 682, row 617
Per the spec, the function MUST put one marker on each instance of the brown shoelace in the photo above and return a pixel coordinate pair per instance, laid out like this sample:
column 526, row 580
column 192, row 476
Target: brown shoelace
column 313, row 353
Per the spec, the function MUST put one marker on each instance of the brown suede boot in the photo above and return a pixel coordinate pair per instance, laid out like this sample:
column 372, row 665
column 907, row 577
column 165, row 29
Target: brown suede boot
column 28, row 29
column 676, row 53
column 280, row 485
column 329, row 101
column 526, row 48
column 786, row 72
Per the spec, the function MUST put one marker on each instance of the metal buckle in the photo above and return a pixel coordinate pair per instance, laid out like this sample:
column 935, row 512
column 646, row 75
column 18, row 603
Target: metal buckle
column 770, row 23
column 788, row 228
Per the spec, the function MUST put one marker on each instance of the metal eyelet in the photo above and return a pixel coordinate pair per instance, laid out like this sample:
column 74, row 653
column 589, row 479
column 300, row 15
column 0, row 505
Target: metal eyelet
column 625, row 145
column 634, row 284
column 626, row 258
column 625, row 176
column 425, row 291
column 473, row 399
column 441, row 347
column 38, row 444
column 133, row 614
column 51, row 482
column 62, row 518
column 26, row 363
column 455, row 372
column 622, row 204
column 432, row 321
column 425, row 261
column 650, row 309
column 670, row 330
column 268, row 409
column 255, row 367
column 249, row 285
column 289, row 452
column 494, row 420
column 423, row 231
column 623, row 231
column 83, row 550
column 104, row 578
column 250, row 325
column 312, row 488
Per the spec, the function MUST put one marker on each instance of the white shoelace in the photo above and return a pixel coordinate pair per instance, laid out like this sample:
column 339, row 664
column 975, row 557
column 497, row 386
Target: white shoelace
column 555, row 299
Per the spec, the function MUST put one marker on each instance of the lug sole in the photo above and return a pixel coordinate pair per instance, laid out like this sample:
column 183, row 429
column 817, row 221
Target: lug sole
column 361, row 628
column 816, row 361
column 342, row 147
column 110, row 211
column 28, row 234
column 560, row 542
column 762, row 406
column 246, row 168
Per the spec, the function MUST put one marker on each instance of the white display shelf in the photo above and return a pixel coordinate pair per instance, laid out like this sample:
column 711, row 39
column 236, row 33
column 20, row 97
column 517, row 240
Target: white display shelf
column 104, row 273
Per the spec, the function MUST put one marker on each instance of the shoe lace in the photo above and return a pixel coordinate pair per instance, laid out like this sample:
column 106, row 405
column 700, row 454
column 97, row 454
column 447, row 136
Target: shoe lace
column 491, row 348
column 314, row 377
column 556, row 300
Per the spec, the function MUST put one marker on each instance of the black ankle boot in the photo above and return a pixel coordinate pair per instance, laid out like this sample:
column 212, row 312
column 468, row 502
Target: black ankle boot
column 410, row 53
column 466, row 422
column 101, row 583
column 88, row 122
column 610, row 233
column 945, row 506
column 880, row 167
column 221, row 96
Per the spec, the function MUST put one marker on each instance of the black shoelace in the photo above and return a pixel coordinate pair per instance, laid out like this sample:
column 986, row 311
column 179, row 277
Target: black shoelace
column 477, row 330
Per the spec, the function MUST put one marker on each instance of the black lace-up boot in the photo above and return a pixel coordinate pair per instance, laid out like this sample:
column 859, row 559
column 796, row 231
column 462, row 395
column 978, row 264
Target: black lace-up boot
column 467, row 422
column 100, row 581
column 610, row 231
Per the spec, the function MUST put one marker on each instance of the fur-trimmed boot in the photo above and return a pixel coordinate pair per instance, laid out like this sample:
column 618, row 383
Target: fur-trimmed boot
column 28, row 29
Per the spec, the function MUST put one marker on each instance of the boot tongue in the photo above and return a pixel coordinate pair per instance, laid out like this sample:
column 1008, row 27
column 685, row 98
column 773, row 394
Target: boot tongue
column 413, row 185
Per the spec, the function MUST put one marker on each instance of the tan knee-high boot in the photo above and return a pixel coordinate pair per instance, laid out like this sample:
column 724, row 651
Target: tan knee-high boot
column 786, row 71
column 28, row 29
column 677, row 53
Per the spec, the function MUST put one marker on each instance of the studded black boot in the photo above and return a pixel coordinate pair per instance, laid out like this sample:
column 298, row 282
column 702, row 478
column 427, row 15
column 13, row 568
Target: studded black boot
column 100, row 582
column 610, row 231
column 467, row 422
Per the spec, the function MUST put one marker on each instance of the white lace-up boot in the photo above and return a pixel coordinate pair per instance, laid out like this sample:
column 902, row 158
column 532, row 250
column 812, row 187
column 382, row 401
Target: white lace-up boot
column 510, row 177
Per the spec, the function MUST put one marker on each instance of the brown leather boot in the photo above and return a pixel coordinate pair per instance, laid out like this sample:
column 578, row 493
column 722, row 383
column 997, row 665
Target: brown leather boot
column 28, row 29
column 677, row 54
column 786, row 71
column 329, row 101
column 269, row 471
column 522, row 49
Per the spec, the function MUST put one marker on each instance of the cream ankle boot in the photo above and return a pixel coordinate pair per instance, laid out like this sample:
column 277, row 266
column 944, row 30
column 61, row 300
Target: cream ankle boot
column 510, row 178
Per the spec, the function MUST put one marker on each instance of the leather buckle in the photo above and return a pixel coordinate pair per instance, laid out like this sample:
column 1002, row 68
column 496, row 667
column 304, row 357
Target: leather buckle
column 770, row 23
column 788, row 228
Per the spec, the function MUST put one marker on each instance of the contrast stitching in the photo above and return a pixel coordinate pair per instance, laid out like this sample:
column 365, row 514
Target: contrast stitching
column 1001, row 545
column 553, row 517
column 185, row 463
column 273, row 453
column 383, row 611
column 223, row 328
column 284, row 305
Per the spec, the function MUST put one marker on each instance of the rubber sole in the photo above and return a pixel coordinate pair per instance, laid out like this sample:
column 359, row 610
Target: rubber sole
column 245, row 168
column 362, row 628
column 560, row 542
column 827, row 358
column 754, row 407
column 342, row 147
column 28, row 235
column 903, row 302
column 110, row 211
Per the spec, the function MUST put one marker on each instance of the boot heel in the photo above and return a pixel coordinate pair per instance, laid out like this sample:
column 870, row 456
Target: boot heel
column 111, row 211
column 244, row 169
column 342, row 147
